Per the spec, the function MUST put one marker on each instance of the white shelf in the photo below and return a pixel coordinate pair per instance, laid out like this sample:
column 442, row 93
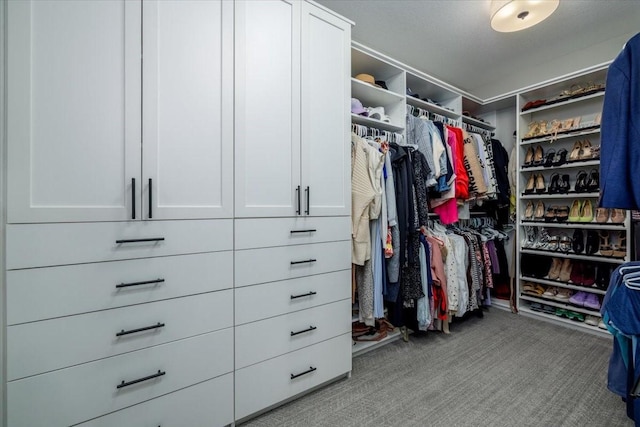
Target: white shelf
column 378, row 124
column 478, row 123
column 549, row 282
column 563, row 320
column 561, row 304
column 563, row 103
column 574, row 134
column 361, row 347
column 587, row 225
column 570, row 195
column 556, row 254
column 416, row 102
column 372, row 96
column 572, row 165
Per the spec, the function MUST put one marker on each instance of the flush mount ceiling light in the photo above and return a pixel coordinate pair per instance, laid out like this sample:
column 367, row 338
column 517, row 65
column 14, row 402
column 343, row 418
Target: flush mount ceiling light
column 515, row 15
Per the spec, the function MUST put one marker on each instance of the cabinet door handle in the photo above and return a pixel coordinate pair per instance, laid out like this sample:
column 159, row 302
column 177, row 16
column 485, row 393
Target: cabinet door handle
column 150, row 239
column 146, row 328
column 133, row 198
column 139, row 380
column 298, row 200
column 303, row 262
column 145, row 282
column 309, row 329
column 308, row 191
column 150, row 198
column 308, row 294
column 311, row 369
column 311, row 230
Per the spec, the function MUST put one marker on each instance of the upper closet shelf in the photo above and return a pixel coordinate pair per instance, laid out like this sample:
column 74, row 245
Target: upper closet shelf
column 372, row 96
column 573, row 134
column 378, row 124
column 433, row 108
column 563, row 103
column 478, row 123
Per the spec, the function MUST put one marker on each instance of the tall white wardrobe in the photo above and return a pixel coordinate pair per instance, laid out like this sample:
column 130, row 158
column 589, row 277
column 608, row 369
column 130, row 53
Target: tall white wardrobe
column 176, row 209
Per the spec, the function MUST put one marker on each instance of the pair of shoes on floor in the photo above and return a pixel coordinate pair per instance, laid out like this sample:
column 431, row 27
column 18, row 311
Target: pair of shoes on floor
column 586, row 300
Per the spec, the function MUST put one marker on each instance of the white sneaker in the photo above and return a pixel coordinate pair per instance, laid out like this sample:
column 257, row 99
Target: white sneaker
column 591, row 320
column 601, row 325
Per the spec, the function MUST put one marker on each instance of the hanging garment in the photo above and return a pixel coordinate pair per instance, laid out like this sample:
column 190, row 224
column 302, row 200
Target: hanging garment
column 477, row 186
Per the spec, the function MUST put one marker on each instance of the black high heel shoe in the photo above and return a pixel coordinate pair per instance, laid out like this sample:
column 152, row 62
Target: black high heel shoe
column 553, row 184
column 593, row 184
column 548, row 161
column 581, row 182
column 563, row 184
column 560, row 158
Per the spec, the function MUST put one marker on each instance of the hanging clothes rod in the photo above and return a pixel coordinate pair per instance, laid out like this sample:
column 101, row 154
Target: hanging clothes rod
column 364, row 131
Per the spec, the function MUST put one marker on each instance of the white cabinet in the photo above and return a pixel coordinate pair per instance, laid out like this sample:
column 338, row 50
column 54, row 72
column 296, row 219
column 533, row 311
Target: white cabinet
column 86, row 144
column 291, row 111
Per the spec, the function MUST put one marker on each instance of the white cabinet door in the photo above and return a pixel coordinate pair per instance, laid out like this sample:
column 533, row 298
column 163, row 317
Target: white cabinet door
column 73, row 110
column 187, row 109
column 326, row 67
column 267, row 108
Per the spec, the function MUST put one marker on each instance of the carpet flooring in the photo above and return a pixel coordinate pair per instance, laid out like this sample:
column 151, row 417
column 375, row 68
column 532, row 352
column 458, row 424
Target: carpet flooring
column 499, row 370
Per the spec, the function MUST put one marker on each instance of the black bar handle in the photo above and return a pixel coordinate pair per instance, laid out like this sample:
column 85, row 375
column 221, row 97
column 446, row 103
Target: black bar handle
column 133, row 198
column 308, row 191
column 303, row 262
column 146, row 282
column 311, row 369
column 139, row 380
column 303, row 295
column 146, row 328
column 298, row 200
column 151, row 239
column 311, row 328
column 311, row 230
column 150, row 198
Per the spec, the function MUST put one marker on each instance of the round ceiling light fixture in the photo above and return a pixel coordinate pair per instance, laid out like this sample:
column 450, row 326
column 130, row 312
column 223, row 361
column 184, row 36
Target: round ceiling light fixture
column 514, row 15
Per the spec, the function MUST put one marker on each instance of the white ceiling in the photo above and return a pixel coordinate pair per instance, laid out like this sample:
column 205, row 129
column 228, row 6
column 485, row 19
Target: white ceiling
column 452, row 40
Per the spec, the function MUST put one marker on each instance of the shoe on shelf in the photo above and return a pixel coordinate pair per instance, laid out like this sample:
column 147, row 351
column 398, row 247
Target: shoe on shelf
column 550, row 292
column 605, row 247
column 554, row 271
column 603, row 275
column 562, row 213
column 540, row 185
column 538, row 213
column 601, row 325
column 581, row 182
column 530, row 234
column 592, row 302
column 553, row 244
column 565, row 243
column 586, row 213
column 553, row 184
column 574, row 212
column 542, row 241
column 564, row 185
column 575, row 276
column 551, row 214
column 620, row 248
column 528, row 211
column 563, row 294
column 593, row 183
column 528, row 158
column 560, row 158
column 538, row 156
column 576, row 152
column 618, row 216
column 565, row 270
column 548, row 159
column 593, row 242
column 587, row 152
column 531, row 182
column 578, row 298
column 588, row 274
column 602, row 215
column 578, row 241
column 591, row 320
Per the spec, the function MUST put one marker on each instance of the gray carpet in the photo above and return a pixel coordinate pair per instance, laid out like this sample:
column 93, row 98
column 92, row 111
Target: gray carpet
column 500, row 370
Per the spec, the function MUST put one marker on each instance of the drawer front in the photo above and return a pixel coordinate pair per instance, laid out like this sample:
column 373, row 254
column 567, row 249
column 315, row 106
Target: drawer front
column 72, row 395
column 267, row 232
column 254, row 266
column 267, row 383
column 42, row 245
column 206, row 404
column 45, row 293
column 273, row 299
column 72, row 340
column 273, row 337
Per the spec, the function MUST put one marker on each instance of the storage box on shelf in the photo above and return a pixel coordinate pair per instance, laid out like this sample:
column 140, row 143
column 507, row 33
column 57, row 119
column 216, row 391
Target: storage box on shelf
column 567, row 248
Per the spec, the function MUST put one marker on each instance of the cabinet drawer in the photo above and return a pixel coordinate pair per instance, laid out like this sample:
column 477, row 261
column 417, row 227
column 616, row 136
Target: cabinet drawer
column 206, row 404
column 267, row 232
column 262, row 385
column 72, row 340
column 41, row 245
column 287, row 262
column 279, row 335
column 44, row 293
column 72, row 395
column 273, row 299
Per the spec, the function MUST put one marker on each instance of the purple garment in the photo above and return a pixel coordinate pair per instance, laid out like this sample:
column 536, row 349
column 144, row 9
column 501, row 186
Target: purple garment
column 493, row 253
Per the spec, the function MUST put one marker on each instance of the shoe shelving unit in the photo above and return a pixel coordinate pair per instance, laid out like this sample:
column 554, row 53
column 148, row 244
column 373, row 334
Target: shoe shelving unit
column 588, row 108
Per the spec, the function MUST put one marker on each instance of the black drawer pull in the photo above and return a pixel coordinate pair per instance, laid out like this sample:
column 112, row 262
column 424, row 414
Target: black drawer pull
column 139, row 380
column 311, row 230
column 133, row 198
column 308, row 191
column 151, row 239
column 150, row 199
column 146, row 328
column 298, row 200
column 311, row 369
column 308, row 294
column 311, row 328
column 303, row 262
column 146, row 282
